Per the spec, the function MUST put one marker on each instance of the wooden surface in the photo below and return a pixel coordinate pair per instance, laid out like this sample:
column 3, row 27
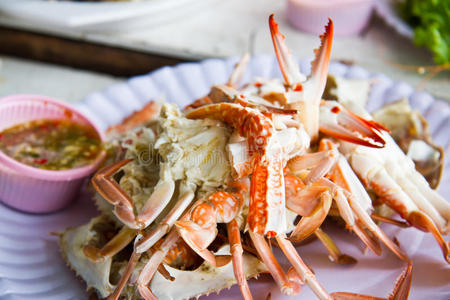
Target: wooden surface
column 80, row 54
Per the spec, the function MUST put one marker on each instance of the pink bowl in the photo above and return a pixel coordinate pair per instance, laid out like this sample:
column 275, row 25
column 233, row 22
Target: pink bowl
column 31, row 189
column 349, row 16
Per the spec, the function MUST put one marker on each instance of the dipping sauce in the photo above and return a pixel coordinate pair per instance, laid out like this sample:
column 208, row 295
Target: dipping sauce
column 51, row 144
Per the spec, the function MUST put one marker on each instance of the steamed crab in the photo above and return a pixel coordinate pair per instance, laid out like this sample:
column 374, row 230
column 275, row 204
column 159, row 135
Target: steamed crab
column 235, row 169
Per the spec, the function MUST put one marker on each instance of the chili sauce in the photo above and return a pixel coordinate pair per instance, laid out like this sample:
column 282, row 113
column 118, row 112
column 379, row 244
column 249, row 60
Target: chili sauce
column 51, row 144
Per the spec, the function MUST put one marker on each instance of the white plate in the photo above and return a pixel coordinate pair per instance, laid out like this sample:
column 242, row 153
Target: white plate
column 32, row 268
column 96, row 16
column 386, row 10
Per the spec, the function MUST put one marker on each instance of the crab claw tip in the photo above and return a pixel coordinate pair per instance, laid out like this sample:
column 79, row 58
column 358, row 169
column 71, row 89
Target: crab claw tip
column 341, row 123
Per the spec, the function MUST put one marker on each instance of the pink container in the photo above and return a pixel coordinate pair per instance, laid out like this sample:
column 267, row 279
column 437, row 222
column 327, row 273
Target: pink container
column 31, row 189
column 349, row 16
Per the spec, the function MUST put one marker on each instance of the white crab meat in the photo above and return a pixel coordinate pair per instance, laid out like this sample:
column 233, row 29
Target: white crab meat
column 347, row 91
column 193, row 150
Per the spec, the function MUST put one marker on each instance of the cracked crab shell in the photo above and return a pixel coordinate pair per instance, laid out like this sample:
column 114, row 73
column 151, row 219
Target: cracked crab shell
column 201, row 281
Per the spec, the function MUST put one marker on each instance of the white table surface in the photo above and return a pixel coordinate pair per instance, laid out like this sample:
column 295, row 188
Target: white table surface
column 225, row 28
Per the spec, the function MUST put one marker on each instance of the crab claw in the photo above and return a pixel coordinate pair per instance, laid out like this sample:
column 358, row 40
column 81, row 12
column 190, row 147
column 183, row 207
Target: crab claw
column 289, row 67
column 319, row 66
column 402, row 284
column 308, row 224
column 338, row 122
column 400, row 292
column 305, row 95
column 424, row 223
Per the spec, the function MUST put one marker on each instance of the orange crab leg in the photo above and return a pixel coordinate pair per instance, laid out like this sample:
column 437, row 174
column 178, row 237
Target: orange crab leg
column 309, row 224
column 164, row 226
column 234, row 236
column 149, row 112
column 200, row 231
column 392, row 221
column 110, row 190
column 117, row 243
column 151, row 266
column 287, row 287
column 400, row 292
column 125, row 276
column 300, row 199
column 320, row 161
column 338, row 122
column 343, row 176
column 335, row 254
column 424, row 223
column 249, row 122
column 217, row 93
column 302, row 269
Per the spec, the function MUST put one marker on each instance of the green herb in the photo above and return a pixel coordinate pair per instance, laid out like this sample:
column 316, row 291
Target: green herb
column 431, row 22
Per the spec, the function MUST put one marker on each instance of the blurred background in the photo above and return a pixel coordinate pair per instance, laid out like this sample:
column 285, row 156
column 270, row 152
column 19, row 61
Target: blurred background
column 48, row 46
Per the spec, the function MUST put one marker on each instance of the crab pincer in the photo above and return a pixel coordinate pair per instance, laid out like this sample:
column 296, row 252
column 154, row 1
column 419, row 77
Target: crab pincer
column 304, row 95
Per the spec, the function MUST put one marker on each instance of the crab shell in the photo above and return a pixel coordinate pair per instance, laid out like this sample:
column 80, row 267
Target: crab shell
column 201, row 281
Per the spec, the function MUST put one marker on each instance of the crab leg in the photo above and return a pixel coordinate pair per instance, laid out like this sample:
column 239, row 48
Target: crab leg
column 248, row 121
column 267, row 202
column 125, row 276
column 238, row 71
column 386, row 172
column 356, row 216
column 117, row 243
column 158, row 256
column 234, row 237
column 287, row 287
column 338, row 122
column 201, row 230
column 302, row 269
column 147, row 113
column 126, row 235
column 392, row 221
column 321, row 161
column 304, row 96
column 218, row 92
column 307, row 97
column 151, row 266
column 301, row 199
column 400, row 292
column 149, row 239
column 359, row 201
column 309, row 224
column 335, row 254
column 313, row 203
column 109, row 189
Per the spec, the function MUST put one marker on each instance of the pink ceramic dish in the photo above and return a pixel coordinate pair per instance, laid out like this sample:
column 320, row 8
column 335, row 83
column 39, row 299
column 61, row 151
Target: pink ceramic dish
column 349, row 16
column 36, row 190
